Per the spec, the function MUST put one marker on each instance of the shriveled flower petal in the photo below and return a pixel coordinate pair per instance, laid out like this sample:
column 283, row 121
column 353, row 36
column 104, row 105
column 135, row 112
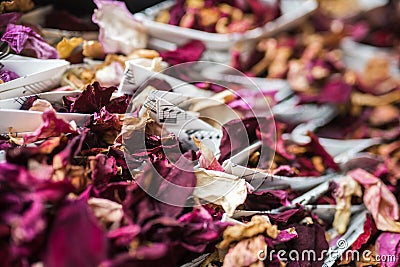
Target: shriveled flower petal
column 120, row 32
column 379, row 200
column 102, row 169
column 106, row 211
column 189, row 52
column 51, row 127
column 75, row 238
column 30, row 223
column 153, row 254
column 310, row 238
column 369, row 231
column 119, row 104
column 7, row 75
column 239, row 134
column 200, row 228
column 163, row 181
column 110, row 75
column 207, row 159
column 73, row 148
column 66, row 46
column 266, row 199
column 287, row 235
column 106, row 125
column 335, row 91
column 40, row 105
column 245, row 253
column 221, row 188
column 347, row 187
column 22, row 38
column 92, row 99
column 16, row 5
column 388, row 245
column 288, row 216
column 384, row 114
column 319, row 150
column 259, row 225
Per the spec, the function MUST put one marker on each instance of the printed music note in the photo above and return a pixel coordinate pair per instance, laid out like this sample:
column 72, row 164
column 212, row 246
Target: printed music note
column 129, row 77
column 152, row 105
column 170, row 114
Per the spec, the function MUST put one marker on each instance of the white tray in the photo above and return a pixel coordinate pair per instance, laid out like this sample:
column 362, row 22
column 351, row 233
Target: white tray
column 223, row 73
column 36, row 76
column 28, row 121
column 356, row 55
column 293, row 11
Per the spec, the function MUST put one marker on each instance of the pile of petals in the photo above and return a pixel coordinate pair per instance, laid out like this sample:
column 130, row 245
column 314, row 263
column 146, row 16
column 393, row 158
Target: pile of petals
column 290, row 159
column 373, row 107
column 85, row 191
column 93, row 195
column 69, row 190
column 220, row 16
column 69, row 202
column 382, row 32
column 311, row 63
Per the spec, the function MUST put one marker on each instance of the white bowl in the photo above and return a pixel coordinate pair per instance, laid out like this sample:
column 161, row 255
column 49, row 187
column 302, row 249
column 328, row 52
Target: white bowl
column 292, row 12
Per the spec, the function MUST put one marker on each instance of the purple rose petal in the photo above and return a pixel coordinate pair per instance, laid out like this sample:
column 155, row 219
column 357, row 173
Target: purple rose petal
column 21, row 38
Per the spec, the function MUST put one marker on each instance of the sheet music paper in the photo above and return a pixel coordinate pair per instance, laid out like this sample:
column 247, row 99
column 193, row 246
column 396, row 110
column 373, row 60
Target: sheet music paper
column 182, row 123
column 174, row 98
column 128, row 81
column 169, row 113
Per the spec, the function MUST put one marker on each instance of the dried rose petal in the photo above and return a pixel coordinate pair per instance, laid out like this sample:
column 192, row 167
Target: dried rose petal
column 369, row 231
column 16, row 5
column 379, row 200
column 207, row 159
column 388, row 245
column 106, row 211
column 41, row 105
column 310, row 238
column 102, row 168
column 52, row 126
column 335, row 91
column 73, row 148
column 7, row 75
column 238, row 134
column 23, row 39
column 66, row 46
column 119, row 30
column 160, row 179
column 220, row 188
column 245, row 253
column 189, row 52
column 266, row 199
column 347, row 187
column 92, row 99
column 200, row 228
column 384, row 114
column 289, row 216
column 258, row 225
column 24, row 212
column 8, row 18
column 86, row 247
column 177, row 11
column 286, row 235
